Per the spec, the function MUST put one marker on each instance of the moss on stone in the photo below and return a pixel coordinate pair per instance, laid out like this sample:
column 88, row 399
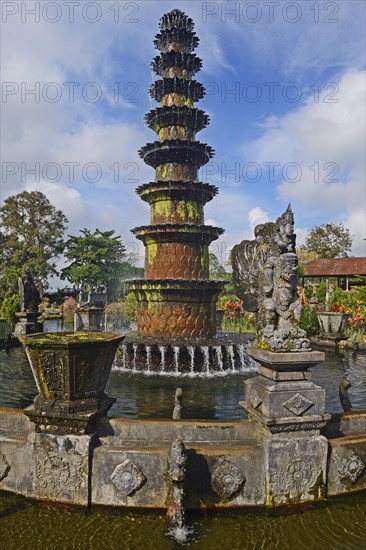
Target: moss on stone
column 152, row 250
column 205, row 260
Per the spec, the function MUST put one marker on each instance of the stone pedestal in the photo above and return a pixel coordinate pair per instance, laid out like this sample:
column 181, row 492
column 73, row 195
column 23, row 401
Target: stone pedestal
column 89, row 319
column 291, row 409
column 27, row 324
column 60, row 467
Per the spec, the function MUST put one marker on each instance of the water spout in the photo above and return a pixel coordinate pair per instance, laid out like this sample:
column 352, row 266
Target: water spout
column 206, row 358
column 220, row 363
column 191, row 351
column 162, row 350
column 176, row 350
column 230, row 350
column 148, row 358
column 134, row 360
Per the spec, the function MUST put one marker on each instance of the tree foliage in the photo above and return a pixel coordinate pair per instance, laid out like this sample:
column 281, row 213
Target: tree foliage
column 96, row 259
column 31, row 237
column 330, row 240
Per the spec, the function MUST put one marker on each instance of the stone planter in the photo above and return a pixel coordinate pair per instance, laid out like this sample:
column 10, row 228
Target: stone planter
column 333, row 324
column 71, row 371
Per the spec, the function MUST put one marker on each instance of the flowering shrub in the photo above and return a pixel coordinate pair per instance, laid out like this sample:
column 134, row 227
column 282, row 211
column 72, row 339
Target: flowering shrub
column 236, row 319
column 358, row 321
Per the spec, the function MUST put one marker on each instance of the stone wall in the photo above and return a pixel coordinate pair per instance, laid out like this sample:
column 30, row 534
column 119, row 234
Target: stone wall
column 229, row 463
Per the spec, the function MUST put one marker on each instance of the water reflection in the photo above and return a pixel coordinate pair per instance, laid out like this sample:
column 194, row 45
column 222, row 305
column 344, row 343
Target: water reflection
column 214, row 397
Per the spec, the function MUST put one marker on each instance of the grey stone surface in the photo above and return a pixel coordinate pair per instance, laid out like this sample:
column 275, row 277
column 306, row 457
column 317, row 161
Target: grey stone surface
column 59, row 467
column 282, row 467
column 128, row 477
column 286, row 361
column 347, row 465
column 226, row 479
column 295, row 469
column 275, row 400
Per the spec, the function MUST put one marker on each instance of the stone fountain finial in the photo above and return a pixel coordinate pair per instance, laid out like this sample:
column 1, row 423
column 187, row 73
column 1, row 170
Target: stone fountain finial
column 176, row 299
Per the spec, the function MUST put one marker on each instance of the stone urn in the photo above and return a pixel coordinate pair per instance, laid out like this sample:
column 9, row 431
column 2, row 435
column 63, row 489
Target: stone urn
column 333, row 324
column 71, row 371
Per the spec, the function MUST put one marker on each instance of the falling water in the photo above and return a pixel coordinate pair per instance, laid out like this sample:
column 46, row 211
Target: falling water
column 176, row 350
column 124, row 356
column 242, row 356
column 230, row 350
column 134, row 360
column 148, row 358
column 162, row 350
column 191, row 354
column 218, row 351
column 206, row 358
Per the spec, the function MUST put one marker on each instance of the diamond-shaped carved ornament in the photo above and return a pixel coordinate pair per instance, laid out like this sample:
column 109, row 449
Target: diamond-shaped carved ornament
column 298, row 404
column 128, row 478
column 255, row 400
column 4, row 467
column 227, row 479
column 351, row 468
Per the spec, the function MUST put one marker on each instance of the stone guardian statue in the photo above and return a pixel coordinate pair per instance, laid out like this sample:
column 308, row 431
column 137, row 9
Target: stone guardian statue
column 265, row 274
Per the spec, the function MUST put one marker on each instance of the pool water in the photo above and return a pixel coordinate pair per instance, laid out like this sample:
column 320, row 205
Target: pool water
column 339, row 524
column 143, row 396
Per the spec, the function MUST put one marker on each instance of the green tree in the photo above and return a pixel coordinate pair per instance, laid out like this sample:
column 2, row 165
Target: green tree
column 330, row 240
column 96, row 259
column 31, row 236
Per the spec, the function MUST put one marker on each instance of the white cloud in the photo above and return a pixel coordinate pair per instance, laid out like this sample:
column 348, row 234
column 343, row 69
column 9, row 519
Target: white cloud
column 327, row 142
column 256, row 216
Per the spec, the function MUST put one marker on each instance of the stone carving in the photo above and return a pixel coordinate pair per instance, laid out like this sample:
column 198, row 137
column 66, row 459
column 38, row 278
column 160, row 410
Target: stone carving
column 177, row 412
column 255, row 400
column 177, row 460
column 351, row 468
column 30, row 292
column 56, row 474
column 227, row 479
column 298, row 404
column 343, row 395
column 4, row 467
column 296, row 478
column 128, row 478
column 265, row 279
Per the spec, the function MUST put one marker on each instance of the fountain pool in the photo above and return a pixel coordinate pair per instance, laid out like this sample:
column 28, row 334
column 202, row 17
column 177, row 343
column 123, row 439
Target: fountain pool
column 336, row 524
column 140, row 395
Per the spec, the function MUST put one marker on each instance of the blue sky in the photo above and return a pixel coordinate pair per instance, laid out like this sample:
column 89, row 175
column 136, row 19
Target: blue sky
column 293, row 130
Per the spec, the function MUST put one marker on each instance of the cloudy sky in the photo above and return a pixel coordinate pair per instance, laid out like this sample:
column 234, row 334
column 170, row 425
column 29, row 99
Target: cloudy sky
column 285, row 92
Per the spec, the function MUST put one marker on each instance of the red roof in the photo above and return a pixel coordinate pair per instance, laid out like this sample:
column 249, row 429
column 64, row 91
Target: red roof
column 336, row 267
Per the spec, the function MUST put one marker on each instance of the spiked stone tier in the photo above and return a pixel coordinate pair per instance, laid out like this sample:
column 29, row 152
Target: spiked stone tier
column 176, row 299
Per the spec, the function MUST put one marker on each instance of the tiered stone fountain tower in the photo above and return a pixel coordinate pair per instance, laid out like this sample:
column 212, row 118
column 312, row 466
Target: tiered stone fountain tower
column 176, row 300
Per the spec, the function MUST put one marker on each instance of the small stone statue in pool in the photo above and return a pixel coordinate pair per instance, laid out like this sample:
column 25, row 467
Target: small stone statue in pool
column 265, row 279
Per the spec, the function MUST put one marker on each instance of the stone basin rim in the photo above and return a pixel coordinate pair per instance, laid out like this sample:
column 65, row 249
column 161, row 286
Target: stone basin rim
column 70, row 339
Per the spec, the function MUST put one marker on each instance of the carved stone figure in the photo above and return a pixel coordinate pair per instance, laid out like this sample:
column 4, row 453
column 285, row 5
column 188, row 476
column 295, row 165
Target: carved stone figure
column 177, row 461
column 177, row 411
column 265, row 279
column 30, row 292
column 343, row 395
